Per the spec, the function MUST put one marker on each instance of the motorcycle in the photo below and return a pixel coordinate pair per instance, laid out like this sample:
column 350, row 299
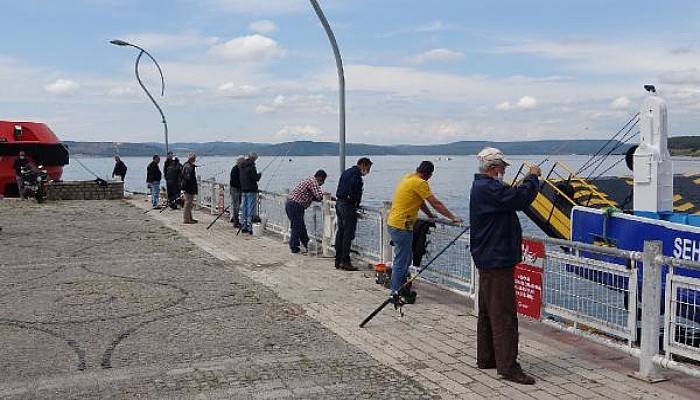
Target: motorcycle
column 34, row 182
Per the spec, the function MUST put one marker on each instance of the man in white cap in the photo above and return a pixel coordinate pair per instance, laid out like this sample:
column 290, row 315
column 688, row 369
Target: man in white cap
column 495, row 242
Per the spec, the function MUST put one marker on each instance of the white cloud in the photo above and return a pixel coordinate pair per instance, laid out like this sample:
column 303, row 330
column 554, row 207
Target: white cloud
column 304, row 132
column 278, row 101
column 169, row 41
column 62, row 86
column 527, row 103
column 121, row 91
column 264, row 26
column 505, row 106
column 252, row 48
column 620, row 103
column 524, row 103
column 609, row 56
column 230, row 89
column 438, row 55
column 435, row 26
column 263, row 109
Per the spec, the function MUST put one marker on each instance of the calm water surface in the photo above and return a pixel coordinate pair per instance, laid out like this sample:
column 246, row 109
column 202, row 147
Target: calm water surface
column 450, row 183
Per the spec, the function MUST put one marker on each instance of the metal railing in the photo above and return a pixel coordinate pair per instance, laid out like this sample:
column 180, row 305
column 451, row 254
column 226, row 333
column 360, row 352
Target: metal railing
column 682, row 311
column 588, row 290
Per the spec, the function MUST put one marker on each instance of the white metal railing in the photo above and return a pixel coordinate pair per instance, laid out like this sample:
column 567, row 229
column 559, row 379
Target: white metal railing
column 682, row 312
column 586, row 289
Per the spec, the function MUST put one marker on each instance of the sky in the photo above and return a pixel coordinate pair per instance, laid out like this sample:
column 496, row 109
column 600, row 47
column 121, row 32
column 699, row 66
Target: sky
column 417, row 71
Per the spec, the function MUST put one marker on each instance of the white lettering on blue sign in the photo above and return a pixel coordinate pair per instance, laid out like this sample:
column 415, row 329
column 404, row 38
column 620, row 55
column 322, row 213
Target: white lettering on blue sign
column 686, row 249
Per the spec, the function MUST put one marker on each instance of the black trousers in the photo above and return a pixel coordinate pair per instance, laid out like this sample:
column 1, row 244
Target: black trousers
column 347, row 223
column 173, row 191
column 295, row 213
column 497, row 326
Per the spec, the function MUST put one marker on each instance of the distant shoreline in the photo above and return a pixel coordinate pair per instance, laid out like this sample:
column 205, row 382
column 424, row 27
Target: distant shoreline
column 680, row 146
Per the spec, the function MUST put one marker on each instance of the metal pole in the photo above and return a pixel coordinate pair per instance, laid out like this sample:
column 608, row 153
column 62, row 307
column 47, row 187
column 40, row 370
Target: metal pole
column 651, row 311
column 143, row 51
column 341, row 82
column 162, row 80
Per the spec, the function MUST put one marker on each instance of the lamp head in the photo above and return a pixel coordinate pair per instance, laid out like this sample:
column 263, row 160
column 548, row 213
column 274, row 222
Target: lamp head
column 118, row 42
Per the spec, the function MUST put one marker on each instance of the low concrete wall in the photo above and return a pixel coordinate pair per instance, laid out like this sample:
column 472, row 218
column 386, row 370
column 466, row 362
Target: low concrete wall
column 85, row 190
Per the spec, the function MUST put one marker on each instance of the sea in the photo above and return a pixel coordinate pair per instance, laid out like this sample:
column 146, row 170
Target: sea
column 450, row 183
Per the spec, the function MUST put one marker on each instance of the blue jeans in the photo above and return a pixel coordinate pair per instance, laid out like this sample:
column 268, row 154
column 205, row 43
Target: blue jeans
column 295, row 213
column 155, row 193
column 250, row 202
column 403, row 255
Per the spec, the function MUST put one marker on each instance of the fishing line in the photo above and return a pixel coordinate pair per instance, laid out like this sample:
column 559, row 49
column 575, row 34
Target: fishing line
column 600, row 150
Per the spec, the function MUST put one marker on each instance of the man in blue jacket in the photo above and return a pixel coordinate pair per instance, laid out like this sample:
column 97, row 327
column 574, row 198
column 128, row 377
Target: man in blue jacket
column 349, row 195
column 496, row 248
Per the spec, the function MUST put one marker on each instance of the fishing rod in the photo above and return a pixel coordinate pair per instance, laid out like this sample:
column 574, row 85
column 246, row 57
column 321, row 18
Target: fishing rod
column 410, row 281
column 218, row 216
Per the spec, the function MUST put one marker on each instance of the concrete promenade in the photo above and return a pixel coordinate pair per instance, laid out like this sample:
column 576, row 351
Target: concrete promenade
column 99, row 300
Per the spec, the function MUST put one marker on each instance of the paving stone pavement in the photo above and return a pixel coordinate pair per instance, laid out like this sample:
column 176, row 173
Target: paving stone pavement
column 435, row 343
column 101, row 301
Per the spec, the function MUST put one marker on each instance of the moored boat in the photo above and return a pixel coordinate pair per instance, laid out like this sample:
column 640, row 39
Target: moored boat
column 41, row 146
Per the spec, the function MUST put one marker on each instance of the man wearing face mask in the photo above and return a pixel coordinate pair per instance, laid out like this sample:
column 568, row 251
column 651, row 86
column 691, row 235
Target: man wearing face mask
column 495, row 242
column 349, row 195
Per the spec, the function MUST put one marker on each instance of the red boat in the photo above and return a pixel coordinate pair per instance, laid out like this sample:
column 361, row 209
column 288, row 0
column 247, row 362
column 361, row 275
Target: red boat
column 40, row 145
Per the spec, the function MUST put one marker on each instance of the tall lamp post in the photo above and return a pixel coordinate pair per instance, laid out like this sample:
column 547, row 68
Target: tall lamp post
column 341, row 82
column 142, row 51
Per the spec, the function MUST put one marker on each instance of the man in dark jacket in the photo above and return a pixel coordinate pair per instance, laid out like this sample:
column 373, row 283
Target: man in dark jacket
column 496, row 248
column 235, row 190
column 119, row 168
column 168, row 159
column 349, row 195
column 188, row 184
column 172, row 181
column 20, row 162
column 153, row 177
column 249, row 189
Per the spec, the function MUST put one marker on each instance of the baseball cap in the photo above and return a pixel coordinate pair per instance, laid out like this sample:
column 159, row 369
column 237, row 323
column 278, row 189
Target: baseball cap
column 491, row 156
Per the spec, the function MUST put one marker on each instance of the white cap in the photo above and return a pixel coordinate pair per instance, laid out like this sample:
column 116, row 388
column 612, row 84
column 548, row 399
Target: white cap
column 491, row 156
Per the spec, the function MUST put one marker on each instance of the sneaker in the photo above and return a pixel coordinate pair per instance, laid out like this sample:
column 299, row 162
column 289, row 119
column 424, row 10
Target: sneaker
column 295, row 251
column 490, row 365
column 337, row 264
column 519, row 377
column 305, row 250
column 194, row 221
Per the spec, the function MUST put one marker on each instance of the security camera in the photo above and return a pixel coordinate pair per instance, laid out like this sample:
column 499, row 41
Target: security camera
column 650, row 88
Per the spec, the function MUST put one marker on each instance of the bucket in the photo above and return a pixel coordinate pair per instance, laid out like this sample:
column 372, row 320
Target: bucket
column 258, row 229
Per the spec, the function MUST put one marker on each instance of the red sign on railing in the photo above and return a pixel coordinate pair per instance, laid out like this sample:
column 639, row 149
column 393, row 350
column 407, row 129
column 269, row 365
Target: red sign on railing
column 528, row 279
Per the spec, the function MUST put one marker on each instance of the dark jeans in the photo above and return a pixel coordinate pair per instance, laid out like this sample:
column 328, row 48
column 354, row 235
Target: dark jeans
column 173, row 191
column 347, row 223
column 497, row 326
column 295, row 213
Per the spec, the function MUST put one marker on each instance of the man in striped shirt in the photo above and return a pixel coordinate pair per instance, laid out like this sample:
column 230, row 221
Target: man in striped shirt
column 299, row 199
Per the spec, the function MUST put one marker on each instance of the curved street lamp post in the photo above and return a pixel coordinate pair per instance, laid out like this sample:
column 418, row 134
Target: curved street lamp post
column 341, row 82
column 142, row 51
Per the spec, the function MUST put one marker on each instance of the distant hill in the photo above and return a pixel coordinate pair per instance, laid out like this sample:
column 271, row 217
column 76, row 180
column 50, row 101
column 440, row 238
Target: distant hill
column 684, row 145
column 308, row 148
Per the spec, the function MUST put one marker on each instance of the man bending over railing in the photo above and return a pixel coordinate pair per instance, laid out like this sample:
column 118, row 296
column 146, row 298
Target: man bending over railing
column 411, row 194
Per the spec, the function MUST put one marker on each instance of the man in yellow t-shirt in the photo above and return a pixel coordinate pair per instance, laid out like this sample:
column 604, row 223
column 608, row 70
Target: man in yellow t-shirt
column 411, row 195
